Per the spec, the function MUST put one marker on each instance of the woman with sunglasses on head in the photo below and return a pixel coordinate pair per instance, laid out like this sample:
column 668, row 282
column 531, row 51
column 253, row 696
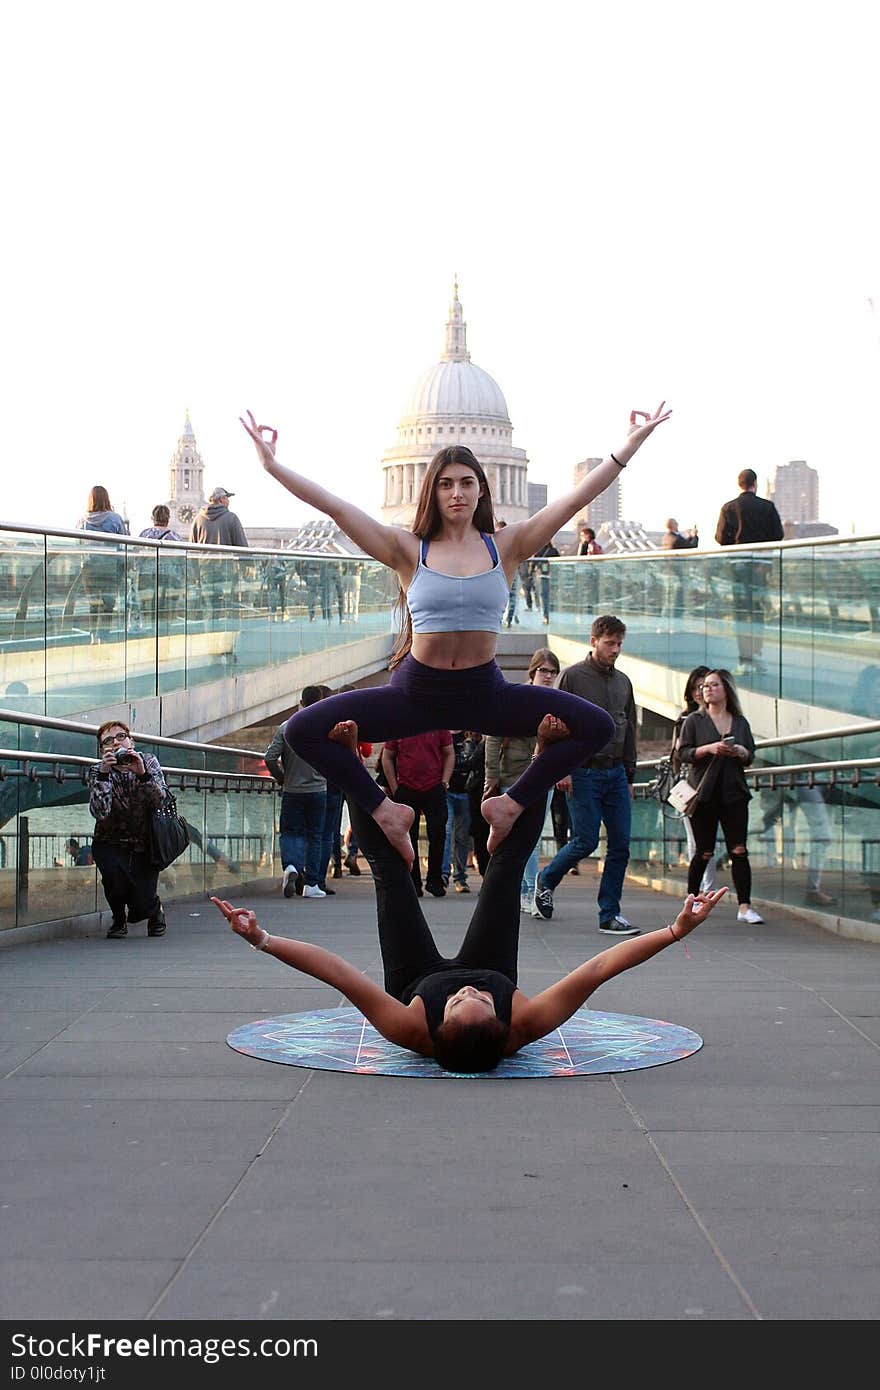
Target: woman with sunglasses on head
column 454, row 572
column 716, row 744
column 466, row 1012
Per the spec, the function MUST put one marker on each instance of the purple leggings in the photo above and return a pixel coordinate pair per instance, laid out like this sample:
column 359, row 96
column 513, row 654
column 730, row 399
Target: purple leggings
column 420, row 698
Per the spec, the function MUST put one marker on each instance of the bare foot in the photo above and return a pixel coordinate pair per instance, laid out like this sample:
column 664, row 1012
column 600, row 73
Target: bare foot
column 346, row 733
column 395, row 820
column 499, row 813
column 551, row 730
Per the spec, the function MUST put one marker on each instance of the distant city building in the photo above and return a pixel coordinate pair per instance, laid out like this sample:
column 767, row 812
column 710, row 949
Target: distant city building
column 795, row 492
column 605, row 507
column 187, row 488
column 454, row 402
column 807, row 530
column 537, row 495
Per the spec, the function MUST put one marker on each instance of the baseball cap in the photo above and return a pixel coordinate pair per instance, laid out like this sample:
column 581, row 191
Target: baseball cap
column 220, row 492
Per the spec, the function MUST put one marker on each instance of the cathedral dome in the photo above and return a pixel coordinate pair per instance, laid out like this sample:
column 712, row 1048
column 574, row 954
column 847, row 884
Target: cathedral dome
column 454, row 402
column 456, row 388
column 455, row 385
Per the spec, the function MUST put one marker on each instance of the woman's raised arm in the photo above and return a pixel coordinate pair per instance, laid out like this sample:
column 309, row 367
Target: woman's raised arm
column 391, row 545
column 521, row 539
column 554, row 1005
column 388, row 1016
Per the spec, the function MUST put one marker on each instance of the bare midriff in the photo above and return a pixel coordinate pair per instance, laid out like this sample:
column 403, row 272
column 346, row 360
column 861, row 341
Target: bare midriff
column 454, row 651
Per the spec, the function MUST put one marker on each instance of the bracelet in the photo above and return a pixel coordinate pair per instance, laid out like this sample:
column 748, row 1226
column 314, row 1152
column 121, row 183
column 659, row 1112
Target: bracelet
column 675, row 938
column 617, row 461
column 264, row 944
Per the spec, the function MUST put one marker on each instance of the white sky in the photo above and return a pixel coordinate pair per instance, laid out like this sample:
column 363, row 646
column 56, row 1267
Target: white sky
column 216, row 205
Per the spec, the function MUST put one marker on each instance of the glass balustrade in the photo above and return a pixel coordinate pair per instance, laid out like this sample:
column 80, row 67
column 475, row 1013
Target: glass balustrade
column 86, row 622
column 814, row 837
column 46, row 869
column 798, row 622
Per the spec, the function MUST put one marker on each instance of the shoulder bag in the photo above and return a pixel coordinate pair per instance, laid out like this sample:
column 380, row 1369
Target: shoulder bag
column 169, row 833
column 683, row 797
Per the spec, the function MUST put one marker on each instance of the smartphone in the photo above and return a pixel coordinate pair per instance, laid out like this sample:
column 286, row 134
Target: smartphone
column 728, row 738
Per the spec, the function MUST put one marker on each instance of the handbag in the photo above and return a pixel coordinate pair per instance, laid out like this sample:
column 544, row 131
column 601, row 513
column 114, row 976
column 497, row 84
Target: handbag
column 169, row 833
column 684, row 797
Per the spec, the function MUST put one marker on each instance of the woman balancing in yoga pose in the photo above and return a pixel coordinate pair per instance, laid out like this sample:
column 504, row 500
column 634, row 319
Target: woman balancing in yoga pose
column 467, row 1013
column 455, row 573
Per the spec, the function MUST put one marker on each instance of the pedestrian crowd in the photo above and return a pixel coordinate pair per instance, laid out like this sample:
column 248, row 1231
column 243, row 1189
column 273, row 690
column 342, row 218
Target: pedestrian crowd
column 445, row 776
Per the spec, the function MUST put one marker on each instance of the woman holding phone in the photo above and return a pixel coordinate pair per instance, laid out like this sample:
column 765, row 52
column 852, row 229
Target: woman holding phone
column 716, row 744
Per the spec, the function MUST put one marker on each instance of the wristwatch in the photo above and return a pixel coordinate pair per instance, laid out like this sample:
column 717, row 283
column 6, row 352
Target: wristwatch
column 264, row 944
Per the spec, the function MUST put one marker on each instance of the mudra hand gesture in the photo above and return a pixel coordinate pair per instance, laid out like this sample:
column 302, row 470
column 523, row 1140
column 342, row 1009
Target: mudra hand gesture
column 638, row 432
column 265, row 447
column 695, row 910
column 242, row 921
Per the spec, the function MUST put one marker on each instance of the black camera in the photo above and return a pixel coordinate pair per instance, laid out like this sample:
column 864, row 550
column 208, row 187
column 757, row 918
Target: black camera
column 124, row 755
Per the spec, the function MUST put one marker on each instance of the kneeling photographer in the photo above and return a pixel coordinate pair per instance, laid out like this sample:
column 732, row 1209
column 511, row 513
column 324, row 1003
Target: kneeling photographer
column 125, row 788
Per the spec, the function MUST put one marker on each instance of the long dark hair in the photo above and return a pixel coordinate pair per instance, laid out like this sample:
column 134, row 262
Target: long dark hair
column 427, row 522
column 691, row 702
column 727, row 681
column 470, row 1047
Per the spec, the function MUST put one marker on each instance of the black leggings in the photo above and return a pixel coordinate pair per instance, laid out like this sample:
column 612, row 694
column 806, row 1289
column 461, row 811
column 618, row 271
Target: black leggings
column 734, row 819
column 420, row 698
column 405, row 940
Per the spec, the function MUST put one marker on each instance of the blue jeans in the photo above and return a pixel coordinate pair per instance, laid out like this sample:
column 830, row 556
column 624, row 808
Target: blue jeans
column 458, row 835
column 598, row 794
column 300, row 830
column 329, row 831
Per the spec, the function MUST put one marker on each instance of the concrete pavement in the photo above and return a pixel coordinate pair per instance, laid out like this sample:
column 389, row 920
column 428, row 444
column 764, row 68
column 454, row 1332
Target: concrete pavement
column 150, row 1172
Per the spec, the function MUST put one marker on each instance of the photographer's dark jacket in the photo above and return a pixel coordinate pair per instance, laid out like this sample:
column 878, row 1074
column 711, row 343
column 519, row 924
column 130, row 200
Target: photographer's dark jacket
column 122, row 802
column 725, row 776
column 611, row 690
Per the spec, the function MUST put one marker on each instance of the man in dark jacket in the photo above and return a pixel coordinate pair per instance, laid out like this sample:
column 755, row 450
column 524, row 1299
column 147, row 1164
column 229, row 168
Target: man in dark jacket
column 600, row 791
column 748, row 520
column 215, row 524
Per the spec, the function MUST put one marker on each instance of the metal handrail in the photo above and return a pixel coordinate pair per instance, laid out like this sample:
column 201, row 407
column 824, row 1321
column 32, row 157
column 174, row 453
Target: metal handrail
column 871, row 726
column 255, row 783
column 113, row 538
column 800, row 775
column 71, row 726
column 253, row 550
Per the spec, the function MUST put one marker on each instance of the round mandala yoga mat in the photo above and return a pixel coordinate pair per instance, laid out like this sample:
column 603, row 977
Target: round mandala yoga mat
column 589, row 1044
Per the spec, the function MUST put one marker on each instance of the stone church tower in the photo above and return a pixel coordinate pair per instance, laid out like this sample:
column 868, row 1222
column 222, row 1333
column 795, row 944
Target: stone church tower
column 187, row 487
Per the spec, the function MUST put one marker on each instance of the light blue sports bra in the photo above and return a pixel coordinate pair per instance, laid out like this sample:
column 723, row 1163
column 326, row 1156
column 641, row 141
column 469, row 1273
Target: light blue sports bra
column 458, row 603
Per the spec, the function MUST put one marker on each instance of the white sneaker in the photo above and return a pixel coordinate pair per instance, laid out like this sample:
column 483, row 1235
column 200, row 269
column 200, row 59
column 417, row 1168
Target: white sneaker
column 526, row 903
column 312, row 890
column 748, row 914
column 288, row 880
